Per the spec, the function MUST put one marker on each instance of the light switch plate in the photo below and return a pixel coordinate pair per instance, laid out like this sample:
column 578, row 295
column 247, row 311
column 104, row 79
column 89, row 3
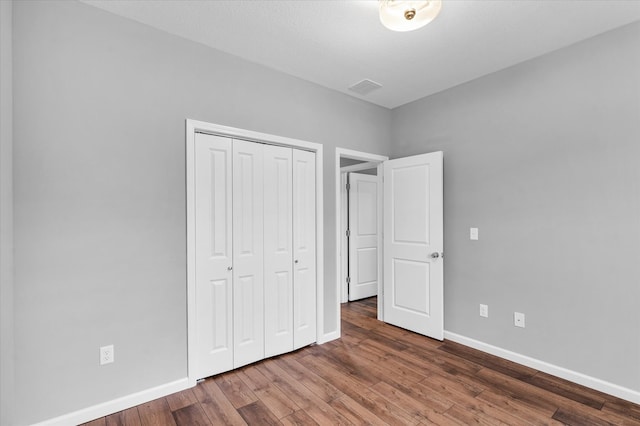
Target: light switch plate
column 473, row 233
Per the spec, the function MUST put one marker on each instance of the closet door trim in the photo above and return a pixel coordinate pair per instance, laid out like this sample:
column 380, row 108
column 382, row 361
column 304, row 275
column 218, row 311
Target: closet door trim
column 193, row 127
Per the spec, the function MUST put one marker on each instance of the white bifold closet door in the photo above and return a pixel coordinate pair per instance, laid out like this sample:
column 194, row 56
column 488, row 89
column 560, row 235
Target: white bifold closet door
column 255, row 227
column 248, row 253
column 290, row 255
column 214, row 257
column 278, row 250
column 304, row 248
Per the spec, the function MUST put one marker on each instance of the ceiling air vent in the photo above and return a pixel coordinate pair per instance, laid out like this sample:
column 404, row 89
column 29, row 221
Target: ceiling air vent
column 365, row 87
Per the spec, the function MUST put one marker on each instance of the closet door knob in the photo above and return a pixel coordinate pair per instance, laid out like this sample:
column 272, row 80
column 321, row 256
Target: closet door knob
column 229, row 268
column 295, row 261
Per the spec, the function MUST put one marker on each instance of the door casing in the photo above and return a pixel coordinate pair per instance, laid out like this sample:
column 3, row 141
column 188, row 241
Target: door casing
column 371, row 160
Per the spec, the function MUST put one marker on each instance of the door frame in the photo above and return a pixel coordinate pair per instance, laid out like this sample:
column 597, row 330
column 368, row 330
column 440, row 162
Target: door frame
column 194, row 126
column 370, row 161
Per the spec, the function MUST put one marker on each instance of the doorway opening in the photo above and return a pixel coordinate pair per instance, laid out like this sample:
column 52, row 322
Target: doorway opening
column 359, row 228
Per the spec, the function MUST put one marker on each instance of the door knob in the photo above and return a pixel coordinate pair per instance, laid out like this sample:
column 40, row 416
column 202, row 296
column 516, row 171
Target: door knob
column 435, row 255
column 229, row 268
column 295, row 261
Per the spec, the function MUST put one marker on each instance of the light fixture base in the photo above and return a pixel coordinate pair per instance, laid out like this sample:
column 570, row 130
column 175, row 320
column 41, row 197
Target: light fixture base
column 408, row 15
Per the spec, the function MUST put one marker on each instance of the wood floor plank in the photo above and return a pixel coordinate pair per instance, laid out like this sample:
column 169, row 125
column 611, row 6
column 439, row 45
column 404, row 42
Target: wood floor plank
column 266, row 391
column 303, row 397
column 257, row 413
column 361, row 321
column 568, row 390
column 416, row 408
column 518, row 409
column 156, row 413
column 353, row 333
column 447, row 362
column 191, row 415
column 360, row 393
column 518, row 390
column 236, row 391
column 375, row 366
column 298, row 418
column 128, row 417
column 390, row 365
column 323, row 389
column 424, row 394
column 362, row 311
column 623, row 408
column 355, row 413
column 406, row 338
column 279, row 404
column 579, row 419
column 254, row 379
column 451, row 387
column 181, row 399
column 216, row 405
column 467, row 415
column 351, row 365
column 503, row 366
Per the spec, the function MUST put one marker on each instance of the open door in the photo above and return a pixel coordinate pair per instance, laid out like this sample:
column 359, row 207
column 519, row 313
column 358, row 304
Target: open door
column 363, row 236
column 413, row 244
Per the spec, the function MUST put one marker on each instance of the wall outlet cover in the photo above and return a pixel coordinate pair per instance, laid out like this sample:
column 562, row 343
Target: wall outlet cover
column 106, row 355
column 518, row 319
column 484, row 311
column 473, row 233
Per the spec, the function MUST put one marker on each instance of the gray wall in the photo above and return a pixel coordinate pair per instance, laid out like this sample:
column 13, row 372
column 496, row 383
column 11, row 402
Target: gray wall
column 543, row 159
column 99, row 109
column 6, row 215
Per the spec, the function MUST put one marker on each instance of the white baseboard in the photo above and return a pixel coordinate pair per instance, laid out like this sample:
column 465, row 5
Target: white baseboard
column 118, row 404
column 573, row 376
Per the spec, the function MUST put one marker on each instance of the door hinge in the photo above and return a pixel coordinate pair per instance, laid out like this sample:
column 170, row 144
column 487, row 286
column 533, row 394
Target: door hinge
column 348, row 280
column 348, row 187
column 348, row 233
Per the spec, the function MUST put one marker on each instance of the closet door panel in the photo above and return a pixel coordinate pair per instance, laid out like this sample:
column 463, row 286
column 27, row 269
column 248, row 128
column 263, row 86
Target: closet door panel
column 278, row 250
column 248, row 257
column 213, row 254
column 304, row 246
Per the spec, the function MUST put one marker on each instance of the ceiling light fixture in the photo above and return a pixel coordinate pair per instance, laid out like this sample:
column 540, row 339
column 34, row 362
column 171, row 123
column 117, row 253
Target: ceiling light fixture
column 399, row 15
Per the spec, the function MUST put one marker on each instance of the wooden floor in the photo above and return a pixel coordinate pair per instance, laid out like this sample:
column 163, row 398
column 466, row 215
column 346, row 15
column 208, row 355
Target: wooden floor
column 380, row 374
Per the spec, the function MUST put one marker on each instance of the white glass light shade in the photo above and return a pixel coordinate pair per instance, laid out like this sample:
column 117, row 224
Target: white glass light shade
column 399, row 15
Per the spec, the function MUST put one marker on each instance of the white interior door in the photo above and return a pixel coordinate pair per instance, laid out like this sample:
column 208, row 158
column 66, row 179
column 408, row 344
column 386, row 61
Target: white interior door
column 248, row 257
column 304, row 248
column 363, row 236
column 413, row 244
column 213, row 251
column 278, row 250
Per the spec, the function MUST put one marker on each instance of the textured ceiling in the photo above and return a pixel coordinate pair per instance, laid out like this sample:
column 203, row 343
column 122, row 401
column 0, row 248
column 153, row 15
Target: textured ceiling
column 338, row 43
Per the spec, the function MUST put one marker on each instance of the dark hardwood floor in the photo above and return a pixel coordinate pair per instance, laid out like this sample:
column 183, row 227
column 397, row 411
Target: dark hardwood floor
column 380, row 374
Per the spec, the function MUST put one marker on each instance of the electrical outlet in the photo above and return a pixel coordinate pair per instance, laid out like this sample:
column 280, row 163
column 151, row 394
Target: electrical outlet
column 473, row 233
column 518, row 319
column 106, row 355
column 484, row 311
